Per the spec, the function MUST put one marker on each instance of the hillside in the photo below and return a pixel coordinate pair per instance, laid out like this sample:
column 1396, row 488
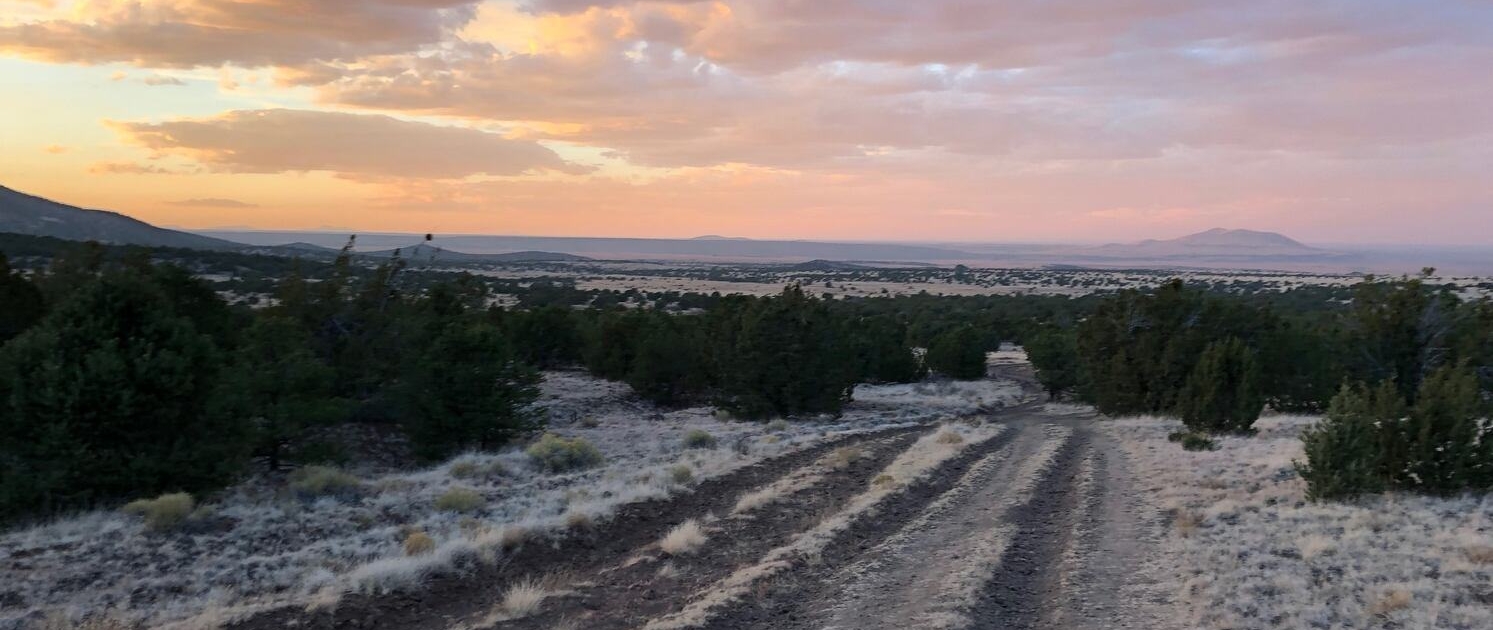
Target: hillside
column 21, row 213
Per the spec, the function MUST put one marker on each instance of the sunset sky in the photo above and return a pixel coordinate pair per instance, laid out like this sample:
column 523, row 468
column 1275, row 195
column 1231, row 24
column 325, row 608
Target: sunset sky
column 1028, row 120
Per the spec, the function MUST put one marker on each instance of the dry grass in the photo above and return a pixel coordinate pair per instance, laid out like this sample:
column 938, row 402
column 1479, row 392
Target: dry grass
column 575, row 520
column 1187, row 522
column 686, row 538
column 1479, row 554
column 1262, row 551
column 841, row 458
column 950, row 437
column 884, row 481
column 681, row 474
column 524, row 598
column 163, row 513
column 320, row 481
column 460, row 500
column 418, row 544
column 1391, row 601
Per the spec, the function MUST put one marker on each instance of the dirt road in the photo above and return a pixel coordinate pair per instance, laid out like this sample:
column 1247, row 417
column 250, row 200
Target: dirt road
column 1022, row 518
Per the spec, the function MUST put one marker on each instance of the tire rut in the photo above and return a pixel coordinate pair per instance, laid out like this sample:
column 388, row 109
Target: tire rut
column 443, row 601
column 791, row 600
column 649, row 583
column 1026, row 588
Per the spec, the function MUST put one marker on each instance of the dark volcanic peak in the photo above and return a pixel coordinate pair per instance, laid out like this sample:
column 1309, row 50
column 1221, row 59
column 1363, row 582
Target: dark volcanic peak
column 28, row 214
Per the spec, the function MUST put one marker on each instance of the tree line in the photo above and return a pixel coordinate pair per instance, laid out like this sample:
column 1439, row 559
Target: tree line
column 123, row 377
column 1403, row 373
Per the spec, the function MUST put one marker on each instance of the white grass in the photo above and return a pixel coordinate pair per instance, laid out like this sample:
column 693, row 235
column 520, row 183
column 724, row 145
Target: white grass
column 307, row 552
column 686, row 538
column 524, row 598
column 1257, row 554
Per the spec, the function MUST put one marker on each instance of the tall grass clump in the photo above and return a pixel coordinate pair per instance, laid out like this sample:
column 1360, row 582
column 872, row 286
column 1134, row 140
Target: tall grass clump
column 460, row 500
column 697, row 438
column 553, row 453
column 163, row 513
column 319, row 481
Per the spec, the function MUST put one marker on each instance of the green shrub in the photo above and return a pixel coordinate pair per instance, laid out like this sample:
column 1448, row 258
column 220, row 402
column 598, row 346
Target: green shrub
column 1193, row 441
column 553, row 453
column 460, row 500
column 163, row 513
column 1371, row 441
column 958, row 354
column 681, row 474
column 319, row 481
column 697, row 438
column 1222, row 395
column 778, row 425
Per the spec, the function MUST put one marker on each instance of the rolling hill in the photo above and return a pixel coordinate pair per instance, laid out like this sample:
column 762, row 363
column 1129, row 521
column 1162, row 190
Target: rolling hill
column 28, row 214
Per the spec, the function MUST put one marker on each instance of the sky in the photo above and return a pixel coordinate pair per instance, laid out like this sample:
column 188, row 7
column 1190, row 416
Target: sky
column 1331, row 121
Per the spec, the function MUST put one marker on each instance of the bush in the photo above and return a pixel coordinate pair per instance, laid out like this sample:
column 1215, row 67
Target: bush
column 681, row 474
column 958, row 354
column 418, row 544
column 1222, row 394
column 163, row 513
column 697, row 438
column 110, row 396
column 1192, row 441
column 468, row 469
column 318, row 481
column 467, row 390
column 556, row 454
column 460, row 500
column 1371, row 441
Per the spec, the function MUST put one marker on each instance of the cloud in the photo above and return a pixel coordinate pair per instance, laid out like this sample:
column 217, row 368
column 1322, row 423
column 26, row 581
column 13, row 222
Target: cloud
column 55, row 149
column 351, row 145
column 247, row 33
column 129, row 168
column 157, row 79
column 213, row 202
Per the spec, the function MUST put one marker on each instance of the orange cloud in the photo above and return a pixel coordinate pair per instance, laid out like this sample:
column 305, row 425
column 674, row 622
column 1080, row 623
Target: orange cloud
column 351, row 145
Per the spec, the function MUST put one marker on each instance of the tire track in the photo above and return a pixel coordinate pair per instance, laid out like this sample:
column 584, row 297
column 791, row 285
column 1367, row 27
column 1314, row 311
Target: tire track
column 930, row 573
column 648, row 582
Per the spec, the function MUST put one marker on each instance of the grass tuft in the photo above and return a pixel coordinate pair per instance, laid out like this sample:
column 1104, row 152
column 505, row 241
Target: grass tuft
column 685, row 538
column 697, row 438
column 163, row 513
column 524, row 598
column 950, row 437
column 681, row 474
column 418, row 544
column 460, row 500
column 319, row 481
column 553, row 453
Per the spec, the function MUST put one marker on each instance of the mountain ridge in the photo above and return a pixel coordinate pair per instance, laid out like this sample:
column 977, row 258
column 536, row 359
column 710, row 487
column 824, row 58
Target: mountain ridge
column 22, row 213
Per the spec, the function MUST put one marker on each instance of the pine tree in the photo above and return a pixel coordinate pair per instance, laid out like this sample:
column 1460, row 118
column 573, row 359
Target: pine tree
column 467, row 389
column 1222, row 394
column 277, row 384
column 108, row 396
column 958, row 354
column 22, row 300
column 1054, row 354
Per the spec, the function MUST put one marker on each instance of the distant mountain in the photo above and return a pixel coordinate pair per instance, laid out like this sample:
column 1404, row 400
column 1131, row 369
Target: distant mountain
column 424, row 251
column 1215, row 245
column 717, row 237
column 27, row 214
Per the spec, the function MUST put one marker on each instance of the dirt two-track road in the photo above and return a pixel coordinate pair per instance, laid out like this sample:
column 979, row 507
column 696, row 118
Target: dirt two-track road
column 1030, row 522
